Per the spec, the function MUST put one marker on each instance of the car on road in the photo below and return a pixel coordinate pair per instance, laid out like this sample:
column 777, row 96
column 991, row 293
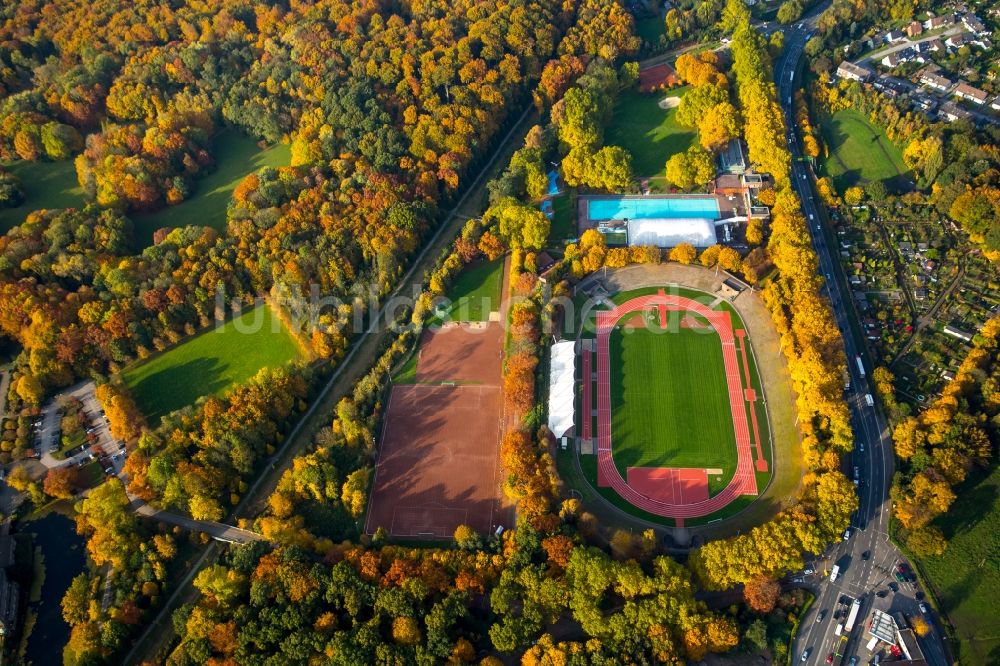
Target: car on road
column 854, row 661
column 861, row 446
column 805, row 654
column 820, row 615
column 829, row 658
column 847, row 534
column 866, row 555
column 923, row 607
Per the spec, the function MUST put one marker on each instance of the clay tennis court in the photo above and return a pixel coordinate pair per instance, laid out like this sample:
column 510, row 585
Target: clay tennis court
column 468, row 353
column 438, row 461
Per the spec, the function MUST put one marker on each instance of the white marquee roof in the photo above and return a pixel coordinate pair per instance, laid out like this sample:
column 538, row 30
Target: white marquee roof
column 562, row 387
column 669, row 232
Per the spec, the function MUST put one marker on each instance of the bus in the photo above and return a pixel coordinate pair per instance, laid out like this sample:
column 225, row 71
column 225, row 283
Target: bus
column 861, row 366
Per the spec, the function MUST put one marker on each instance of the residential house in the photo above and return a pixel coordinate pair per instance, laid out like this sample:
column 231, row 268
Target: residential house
column 984, row 43
column 892, row 60
column 939, row 22
column 959, row 40
column 851, row 71
column 915, row 28
column 934, row 45
column 894, row 36
column 965, row 91
column 951, row 112
column 923, row 102
column 935, row 81
column 995, row 104
column 972, row 23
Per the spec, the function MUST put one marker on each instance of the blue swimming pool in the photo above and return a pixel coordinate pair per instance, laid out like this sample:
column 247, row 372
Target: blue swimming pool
column 646, row 208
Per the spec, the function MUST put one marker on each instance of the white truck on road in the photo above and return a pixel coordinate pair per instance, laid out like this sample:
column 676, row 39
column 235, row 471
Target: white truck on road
column 835, row 572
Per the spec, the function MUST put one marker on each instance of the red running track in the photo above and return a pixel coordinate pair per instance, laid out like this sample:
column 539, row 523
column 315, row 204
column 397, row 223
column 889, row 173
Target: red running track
column 751, row 398
column 744, row 482
column 588, row 401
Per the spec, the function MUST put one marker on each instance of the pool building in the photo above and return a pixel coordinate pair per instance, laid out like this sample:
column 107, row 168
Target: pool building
column 665, row 220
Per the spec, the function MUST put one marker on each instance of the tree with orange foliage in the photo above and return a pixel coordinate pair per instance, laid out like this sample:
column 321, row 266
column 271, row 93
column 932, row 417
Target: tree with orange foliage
column 61, row 482
column 761, row 593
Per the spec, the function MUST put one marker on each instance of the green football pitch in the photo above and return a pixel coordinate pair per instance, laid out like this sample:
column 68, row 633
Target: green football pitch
column 670, row 401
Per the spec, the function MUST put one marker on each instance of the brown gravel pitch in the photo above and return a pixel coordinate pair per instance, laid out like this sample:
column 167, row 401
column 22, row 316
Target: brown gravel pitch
column 438, row 462
column 461, row 354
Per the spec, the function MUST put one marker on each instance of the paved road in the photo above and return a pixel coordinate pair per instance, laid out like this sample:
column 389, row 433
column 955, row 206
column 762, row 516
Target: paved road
column 867, row 557
column 878, row 54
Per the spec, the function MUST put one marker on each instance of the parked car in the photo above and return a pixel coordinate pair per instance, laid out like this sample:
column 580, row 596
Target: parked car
column 829, row 658
column 805, row 654
column 820, row 615
column 923, row 607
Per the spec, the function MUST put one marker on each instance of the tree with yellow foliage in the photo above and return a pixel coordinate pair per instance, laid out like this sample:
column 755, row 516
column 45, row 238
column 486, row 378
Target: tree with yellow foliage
column 683, row 253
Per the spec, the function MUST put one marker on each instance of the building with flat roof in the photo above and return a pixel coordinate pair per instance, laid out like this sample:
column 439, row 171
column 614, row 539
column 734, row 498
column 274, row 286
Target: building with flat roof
column 958, row 333
column 882, row 626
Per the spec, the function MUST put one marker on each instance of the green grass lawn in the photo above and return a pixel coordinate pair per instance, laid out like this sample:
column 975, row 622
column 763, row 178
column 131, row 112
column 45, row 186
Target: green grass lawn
column 966, row 578
column 236, row 155
column 861, row 153
column 210, row 362
column 650, row 133
column 669, row 401
column 650, row 29
column 476, row 291
column 564, row 221
column 47, row 185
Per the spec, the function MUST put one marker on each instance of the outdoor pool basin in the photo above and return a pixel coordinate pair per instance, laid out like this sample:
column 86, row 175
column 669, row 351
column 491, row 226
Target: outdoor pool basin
column 652, row 207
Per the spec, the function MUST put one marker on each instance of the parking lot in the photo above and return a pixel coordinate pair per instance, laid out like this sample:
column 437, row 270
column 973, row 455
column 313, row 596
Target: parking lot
column 100, row 444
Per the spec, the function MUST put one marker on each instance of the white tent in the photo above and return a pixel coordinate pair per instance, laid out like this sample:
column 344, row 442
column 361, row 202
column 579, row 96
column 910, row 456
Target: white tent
column 670, row 232
column 562, row 385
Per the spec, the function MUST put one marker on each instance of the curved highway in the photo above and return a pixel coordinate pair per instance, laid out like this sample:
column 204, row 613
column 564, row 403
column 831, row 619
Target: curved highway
column 866, row 558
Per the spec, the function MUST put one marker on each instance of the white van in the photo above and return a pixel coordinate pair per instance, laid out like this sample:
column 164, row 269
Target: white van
column 869, row 400
column 839, row 630
column 835, row 572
